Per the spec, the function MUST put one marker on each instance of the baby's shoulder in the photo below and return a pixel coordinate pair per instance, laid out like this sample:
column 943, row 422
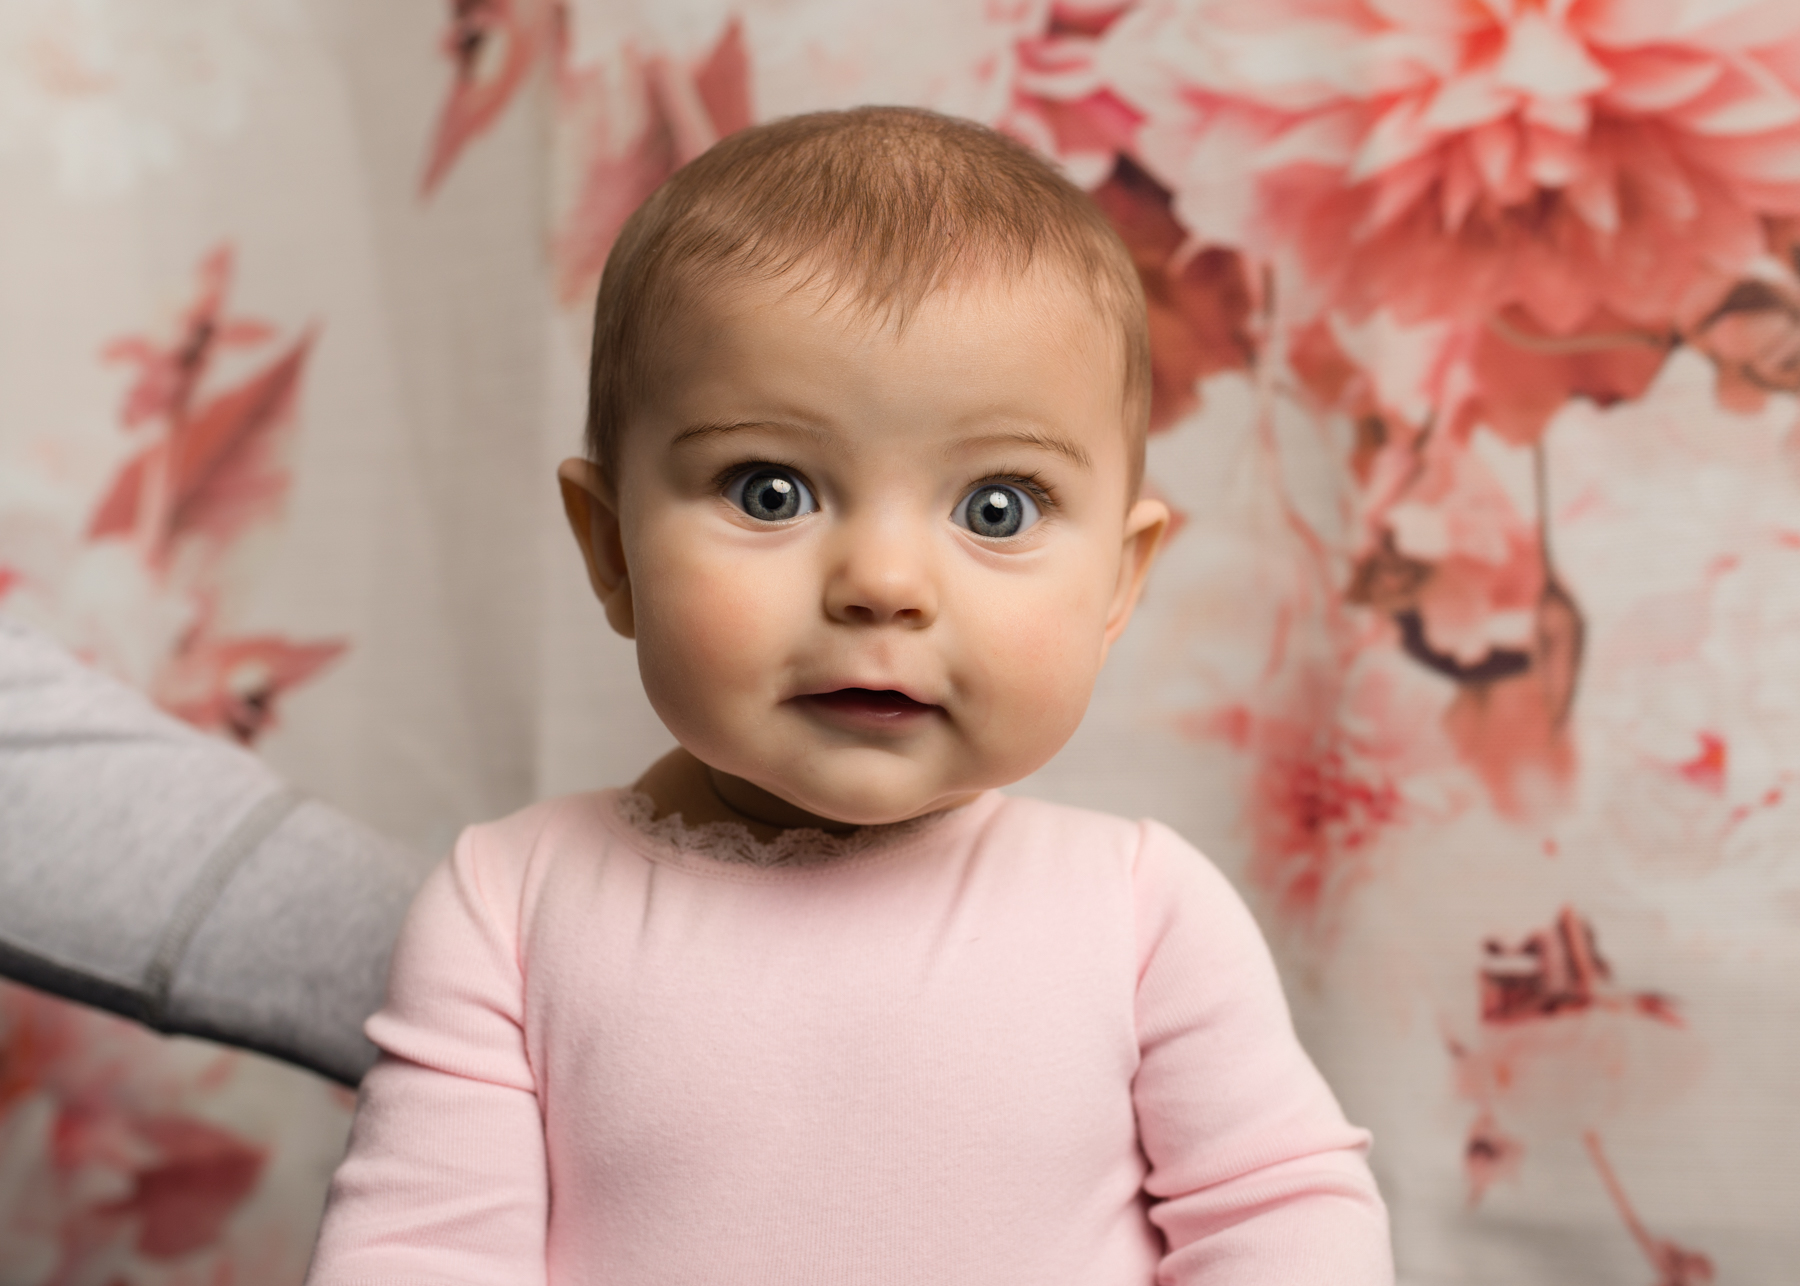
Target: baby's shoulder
column 1171, row 891
column 1069, row 825
column 504, row 856
column 582, row 815
column 1143, row 849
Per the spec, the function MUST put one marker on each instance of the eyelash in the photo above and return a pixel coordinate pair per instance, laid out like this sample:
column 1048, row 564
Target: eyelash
column 723, row 479
column 1029, row 481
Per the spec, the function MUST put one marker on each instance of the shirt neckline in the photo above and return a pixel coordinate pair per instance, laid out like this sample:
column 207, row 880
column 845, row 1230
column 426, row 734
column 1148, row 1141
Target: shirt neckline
column 728, row 849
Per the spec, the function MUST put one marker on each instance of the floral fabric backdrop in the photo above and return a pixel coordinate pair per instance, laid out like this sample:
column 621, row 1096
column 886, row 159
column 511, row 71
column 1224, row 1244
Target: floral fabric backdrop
column 1475, row 658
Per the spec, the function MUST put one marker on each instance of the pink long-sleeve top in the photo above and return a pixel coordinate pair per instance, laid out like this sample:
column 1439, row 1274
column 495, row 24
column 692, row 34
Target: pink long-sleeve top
column 1016, row 1043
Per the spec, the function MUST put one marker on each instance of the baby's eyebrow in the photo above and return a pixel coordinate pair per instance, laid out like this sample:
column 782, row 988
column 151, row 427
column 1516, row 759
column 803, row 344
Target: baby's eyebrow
column 713, row 428
column 1043, row 441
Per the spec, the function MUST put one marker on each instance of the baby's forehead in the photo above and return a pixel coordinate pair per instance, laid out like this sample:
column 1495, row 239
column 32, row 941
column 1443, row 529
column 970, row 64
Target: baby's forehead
column 1025, row 359
column 739, row 345
column 1025, row 306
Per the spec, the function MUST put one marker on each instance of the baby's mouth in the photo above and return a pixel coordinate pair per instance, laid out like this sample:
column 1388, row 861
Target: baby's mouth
column 866, row 706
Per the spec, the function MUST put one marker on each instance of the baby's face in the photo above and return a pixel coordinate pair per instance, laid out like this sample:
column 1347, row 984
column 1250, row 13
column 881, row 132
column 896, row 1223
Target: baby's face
column 874, row 574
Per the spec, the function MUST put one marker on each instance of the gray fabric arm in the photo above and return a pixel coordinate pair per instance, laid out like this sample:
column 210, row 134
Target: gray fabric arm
column 171, row 877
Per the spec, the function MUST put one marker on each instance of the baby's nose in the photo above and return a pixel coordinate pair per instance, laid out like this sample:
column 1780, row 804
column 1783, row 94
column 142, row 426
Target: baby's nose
column 882, row 578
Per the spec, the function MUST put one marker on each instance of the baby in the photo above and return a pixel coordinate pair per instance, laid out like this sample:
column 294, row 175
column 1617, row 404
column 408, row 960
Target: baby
column 813, row 1003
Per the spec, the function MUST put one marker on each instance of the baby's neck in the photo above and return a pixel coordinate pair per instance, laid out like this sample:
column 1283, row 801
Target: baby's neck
column 679, row 783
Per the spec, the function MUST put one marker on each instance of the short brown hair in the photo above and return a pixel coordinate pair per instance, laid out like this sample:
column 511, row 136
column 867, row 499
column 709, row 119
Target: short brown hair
column 887, row 202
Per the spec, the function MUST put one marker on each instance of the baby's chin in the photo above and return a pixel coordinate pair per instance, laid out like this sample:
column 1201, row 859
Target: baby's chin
column 867, row 798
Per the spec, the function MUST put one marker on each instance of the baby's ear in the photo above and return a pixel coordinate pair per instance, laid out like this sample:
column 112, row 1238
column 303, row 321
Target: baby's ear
column 594, row 518
column 1146, row 525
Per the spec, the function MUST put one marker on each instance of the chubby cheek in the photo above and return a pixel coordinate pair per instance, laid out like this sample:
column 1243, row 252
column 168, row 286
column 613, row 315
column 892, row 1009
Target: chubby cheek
column 714, row 633
column 1029, row 660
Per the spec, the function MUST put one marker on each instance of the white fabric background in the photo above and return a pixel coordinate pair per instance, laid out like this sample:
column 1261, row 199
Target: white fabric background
column 420, row 529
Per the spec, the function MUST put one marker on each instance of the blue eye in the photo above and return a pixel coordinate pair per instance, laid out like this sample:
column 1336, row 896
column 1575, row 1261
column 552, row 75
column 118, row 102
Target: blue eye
column 997, row 510
column 771, row 494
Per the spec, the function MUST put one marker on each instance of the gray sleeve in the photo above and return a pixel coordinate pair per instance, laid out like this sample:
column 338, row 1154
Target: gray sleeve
column 171, row 877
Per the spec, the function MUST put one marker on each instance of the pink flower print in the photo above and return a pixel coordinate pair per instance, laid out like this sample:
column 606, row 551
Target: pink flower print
column 1675, row 1264
column 1318, row 803
column 1333, row 382
column 128, row 1175
column 1199, row 300
column 1490, row 1155
column 1510, row 723
column 231, row 685
column 1753, row 335
column 1327, row 765
column 1555, row 971
column 624, row 124
column 214, row 474
column 1518, row 376
column 1330, row 726
column 1061, row 105
column 1460, row 564
column 1707, row 768
column 1549, row 1010
column 492, row 46
column 684, row 108
column 1461, row 571
column 38, row 1034
column 1448, row 159
column 1317, row 811
column 194, row 1180
column 168, row 375
column 210, row 470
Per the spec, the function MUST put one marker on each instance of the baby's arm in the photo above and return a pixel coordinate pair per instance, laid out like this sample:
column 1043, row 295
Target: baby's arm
column 169, row 876
column 446, row 1178
column 1255, row 1174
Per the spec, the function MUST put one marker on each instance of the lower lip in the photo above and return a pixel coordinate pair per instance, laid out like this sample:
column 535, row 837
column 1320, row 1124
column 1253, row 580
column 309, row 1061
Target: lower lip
column 863, row 710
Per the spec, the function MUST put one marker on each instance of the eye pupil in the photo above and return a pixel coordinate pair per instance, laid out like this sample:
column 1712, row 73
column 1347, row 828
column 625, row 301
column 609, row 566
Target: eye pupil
column 995, row 512
column 771, row 497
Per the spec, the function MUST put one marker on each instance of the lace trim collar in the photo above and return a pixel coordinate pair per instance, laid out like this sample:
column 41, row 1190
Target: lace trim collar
column 732, row 842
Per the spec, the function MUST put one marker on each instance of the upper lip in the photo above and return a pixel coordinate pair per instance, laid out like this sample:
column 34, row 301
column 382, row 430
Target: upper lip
column 910, row 692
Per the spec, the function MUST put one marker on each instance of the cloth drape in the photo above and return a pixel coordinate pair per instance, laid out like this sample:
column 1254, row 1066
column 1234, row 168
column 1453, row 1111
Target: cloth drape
column 1473, row 658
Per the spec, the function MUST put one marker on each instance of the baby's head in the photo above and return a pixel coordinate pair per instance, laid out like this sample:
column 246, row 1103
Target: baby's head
column 865, row 433
column 879, row 208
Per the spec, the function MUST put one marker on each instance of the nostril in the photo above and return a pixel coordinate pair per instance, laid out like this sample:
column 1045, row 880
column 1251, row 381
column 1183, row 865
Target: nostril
column 865, row 615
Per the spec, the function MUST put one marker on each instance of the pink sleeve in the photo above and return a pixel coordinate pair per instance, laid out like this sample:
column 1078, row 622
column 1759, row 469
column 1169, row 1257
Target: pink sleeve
column 445, row 1181
column 1255, row 1175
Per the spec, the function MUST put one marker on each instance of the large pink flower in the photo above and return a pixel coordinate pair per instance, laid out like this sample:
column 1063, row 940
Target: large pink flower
column 1560, row 159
